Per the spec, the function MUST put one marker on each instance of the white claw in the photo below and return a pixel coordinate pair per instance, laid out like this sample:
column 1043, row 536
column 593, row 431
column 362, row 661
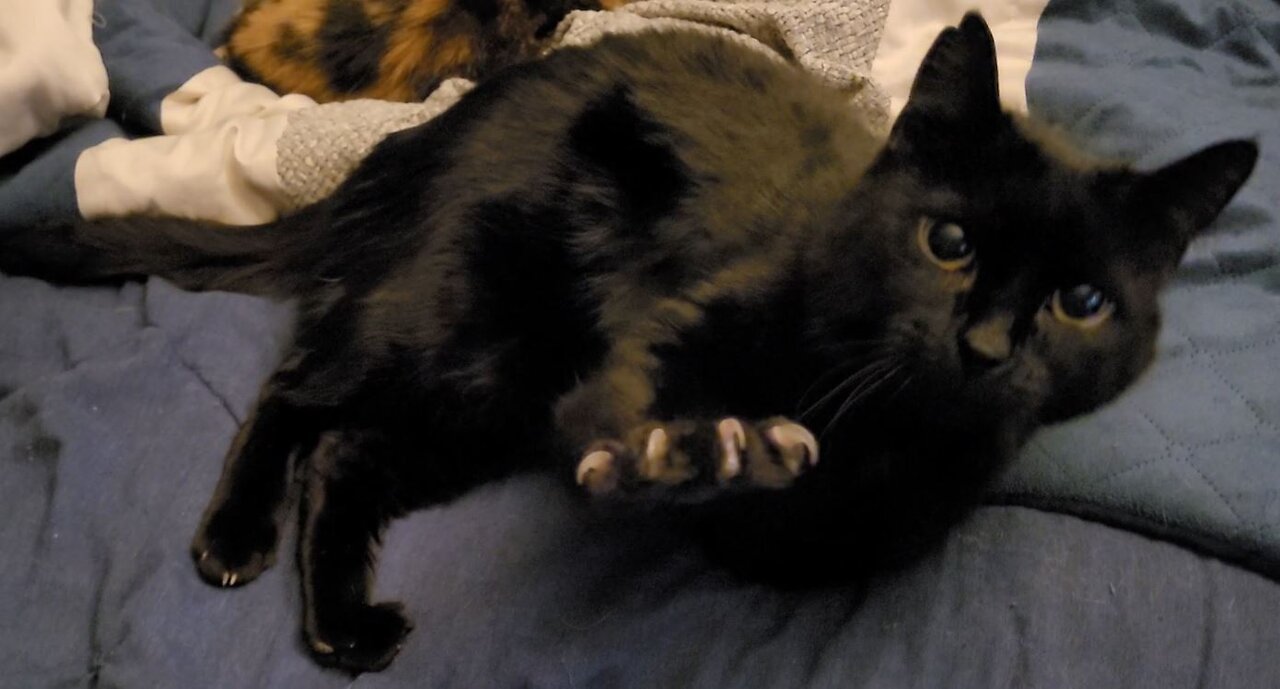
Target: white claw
column 600, row 460
column 655, row 451
column 204, row 556
column 658, row 444
column 733, row 440
column 788, row 435
column 321, row 647
column 233, row 579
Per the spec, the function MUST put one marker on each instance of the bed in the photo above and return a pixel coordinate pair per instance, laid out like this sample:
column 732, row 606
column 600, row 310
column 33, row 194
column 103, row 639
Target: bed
column 1138, row 547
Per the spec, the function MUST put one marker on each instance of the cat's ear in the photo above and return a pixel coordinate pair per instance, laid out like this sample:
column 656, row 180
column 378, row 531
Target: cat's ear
column 956, row 89
column 1188, row 194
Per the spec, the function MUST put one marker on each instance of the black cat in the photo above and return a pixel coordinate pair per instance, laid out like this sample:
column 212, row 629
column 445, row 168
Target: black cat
column 679, row 271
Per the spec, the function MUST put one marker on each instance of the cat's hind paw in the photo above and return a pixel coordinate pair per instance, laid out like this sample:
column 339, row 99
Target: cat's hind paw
column 230, row 551
column 697, row 458
column 362, row 638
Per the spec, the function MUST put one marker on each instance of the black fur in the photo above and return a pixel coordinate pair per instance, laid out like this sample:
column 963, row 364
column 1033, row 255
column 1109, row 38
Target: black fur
column 291, row 45
column 350, row 46
column 634, row 241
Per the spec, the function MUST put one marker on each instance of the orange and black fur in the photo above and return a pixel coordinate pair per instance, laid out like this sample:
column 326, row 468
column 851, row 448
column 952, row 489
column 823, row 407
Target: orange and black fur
column 396, row 50
column 673, row 271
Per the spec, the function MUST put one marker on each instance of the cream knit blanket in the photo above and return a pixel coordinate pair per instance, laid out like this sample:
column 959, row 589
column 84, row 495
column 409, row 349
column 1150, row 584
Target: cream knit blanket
column 834, row 39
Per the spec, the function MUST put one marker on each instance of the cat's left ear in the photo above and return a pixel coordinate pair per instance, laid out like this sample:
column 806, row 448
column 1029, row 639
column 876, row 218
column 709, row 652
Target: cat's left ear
column 1190, row 193
column 955, row 91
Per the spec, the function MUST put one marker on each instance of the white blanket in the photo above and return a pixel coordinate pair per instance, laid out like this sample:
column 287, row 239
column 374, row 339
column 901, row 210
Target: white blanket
column 50, row 69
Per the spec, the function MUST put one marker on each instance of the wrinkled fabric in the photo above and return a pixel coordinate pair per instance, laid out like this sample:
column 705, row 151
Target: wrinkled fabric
column 116, row 406
column 50, row 70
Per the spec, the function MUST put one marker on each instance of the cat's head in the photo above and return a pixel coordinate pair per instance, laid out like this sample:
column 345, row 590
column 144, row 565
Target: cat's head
column 983, row 267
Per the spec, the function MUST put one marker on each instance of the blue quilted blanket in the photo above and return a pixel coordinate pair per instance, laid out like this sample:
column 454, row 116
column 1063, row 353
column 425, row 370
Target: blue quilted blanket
column 116, row 406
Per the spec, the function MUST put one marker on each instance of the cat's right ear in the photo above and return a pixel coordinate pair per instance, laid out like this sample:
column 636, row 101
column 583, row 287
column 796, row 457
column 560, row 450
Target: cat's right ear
column 956, row 91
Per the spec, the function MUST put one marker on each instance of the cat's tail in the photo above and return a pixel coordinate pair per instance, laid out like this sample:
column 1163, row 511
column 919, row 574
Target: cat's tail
column 194, row 255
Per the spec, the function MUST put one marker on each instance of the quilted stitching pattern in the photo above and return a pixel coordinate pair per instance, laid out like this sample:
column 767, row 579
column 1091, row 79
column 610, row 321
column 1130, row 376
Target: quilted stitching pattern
column 1194, row 450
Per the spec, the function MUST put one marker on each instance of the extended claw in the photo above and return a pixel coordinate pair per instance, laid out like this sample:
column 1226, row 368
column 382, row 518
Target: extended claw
column 733, row 440
column 595, row 471
column 655, row 454
column 796, row 444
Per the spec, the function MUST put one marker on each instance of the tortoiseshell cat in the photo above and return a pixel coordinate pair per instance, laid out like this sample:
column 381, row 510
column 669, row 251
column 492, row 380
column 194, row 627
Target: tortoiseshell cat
column 672, row 269
column 397, row 50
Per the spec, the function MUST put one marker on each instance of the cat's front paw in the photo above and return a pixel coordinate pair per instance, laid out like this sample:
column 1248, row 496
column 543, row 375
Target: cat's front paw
column 362, row 638
column 232, row 549
column 684, row 455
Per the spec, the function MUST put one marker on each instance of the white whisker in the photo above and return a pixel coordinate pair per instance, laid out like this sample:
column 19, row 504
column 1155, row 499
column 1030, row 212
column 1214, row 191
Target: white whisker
column 862, row 392
column 839, row 371
column 853, row 379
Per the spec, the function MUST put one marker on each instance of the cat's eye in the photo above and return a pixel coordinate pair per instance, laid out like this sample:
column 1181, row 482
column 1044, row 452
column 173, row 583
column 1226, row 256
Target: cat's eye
column 946, row 244
column 1084, row 305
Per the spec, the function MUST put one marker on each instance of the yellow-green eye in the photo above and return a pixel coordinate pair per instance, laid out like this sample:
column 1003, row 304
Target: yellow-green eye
column 1083, row 305
column 946, row 244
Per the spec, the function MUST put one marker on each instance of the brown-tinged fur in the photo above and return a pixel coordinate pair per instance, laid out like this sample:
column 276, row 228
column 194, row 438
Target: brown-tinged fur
column 396, row 50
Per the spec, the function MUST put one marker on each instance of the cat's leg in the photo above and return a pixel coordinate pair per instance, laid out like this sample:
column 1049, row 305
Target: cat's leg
column 347, row 501
column 237, row 536
column 621, row 451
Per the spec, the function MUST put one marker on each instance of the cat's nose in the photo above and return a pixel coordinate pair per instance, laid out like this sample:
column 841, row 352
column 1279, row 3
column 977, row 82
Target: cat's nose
column 987, row 343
